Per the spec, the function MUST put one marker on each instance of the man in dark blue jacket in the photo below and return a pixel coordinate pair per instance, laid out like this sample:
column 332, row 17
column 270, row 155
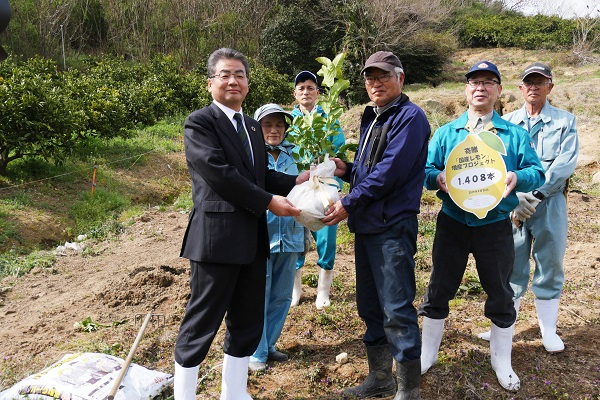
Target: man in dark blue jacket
column 386, row 181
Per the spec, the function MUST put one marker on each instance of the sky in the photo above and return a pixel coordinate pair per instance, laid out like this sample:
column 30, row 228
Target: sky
column 567, row 8
column 564, row 8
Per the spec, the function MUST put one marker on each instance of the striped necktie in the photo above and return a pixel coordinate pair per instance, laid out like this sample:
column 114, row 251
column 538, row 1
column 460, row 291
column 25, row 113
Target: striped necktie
column 243, row 135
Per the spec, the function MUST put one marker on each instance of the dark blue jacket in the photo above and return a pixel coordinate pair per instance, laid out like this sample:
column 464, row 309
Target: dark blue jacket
column 386, row 178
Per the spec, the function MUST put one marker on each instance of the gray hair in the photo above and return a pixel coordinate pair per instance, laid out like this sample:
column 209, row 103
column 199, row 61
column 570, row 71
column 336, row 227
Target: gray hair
column 398, row 71
column 225, row 53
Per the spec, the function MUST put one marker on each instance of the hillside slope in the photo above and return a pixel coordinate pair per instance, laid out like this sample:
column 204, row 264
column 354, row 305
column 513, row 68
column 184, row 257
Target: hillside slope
column 139, row 271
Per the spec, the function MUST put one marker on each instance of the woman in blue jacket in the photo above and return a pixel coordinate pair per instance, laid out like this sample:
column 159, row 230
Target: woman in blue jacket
column 286, row 237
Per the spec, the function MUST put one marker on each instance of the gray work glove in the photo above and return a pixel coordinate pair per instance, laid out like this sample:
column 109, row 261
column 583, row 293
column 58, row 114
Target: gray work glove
column 527, row 205
column 307, row 236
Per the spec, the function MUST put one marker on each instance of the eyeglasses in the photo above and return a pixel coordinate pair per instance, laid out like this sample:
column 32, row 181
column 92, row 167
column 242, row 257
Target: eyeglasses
column 383, row 78
column 488, row 84
column 538, row 84
column 225, row 75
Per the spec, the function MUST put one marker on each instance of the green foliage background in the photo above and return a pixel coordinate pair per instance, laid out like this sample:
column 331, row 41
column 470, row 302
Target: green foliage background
column 99, row 68
column 513, row 30
column 47, row 112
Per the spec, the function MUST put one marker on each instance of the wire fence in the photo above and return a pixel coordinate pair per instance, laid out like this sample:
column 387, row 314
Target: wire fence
column 92, row 170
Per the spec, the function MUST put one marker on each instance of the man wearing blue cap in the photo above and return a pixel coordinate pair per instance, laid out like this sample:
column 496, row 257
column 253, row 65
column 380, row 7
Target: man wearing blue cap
column 306, row 92
column 460, row 232
column 540, row 229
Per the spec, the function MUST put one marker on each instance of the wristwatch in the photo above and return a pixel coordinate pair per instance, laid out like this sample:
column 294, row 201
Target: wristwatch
column 538, row 195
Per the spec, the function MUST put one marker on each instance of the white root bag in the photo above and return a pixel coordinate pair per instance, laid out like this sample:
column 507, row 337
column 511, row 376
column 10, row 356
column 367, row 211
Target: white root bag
column 316, row 195
column 89, row 376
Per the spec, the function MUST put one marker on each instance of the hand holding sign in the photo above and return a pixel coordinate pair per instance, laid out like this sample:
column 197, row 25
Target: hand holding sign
column 476, row 173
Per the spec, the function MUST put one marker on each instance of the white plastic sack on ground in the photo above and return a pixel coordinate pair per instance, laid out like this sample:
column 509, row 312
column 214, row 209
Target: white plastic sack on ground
column 315, row 196
column 89, row 376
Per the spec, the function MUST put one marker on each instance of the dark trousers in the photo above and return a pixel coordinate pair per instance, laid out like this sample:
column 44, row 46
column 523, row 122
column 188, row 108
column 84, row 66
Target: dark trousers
column 493, row 249
column 236, row 292
column 385, row 288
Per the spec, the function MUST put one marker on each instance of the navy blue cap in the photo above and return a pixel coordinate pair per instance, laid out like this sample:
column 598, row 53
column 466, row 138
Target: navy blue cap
column 304, row 76
column 484, row 66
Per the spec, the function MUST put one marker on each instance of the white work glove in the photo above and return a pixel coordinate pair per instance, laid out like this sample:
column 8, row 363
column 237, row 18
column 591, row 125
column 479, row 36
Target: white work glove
column 527, row 205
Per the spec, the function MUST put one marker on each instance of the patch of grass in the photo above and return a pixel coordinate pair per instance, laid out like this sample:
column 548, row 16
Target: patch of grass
column 17, row 200
column 13, row 264
column 437, row 119
column 170, row 128
column 8, row 230
column 280, row 394
column 163, row 137
column 29, row 169
column 337, row 284
column 456, row 302
column 128, row 215
column 114, row 349
column 12, row 371
column 470, row 286
column 345, row 238
column 581, row 181
column 184, row 201
column 310, row 279
column 313, row 374
column 132, row 173
column 105, row 229
column 97, row 214
column 326, row 319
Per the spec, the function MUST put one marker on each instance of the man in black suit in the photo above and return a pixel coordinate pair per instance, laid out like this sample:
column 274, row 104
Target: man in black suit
column 226, row 239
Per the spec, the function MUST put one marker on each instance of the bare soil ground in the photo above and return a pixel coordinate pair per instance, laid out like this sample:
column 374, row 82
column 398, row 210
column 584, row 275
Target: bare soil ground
column 140, row 271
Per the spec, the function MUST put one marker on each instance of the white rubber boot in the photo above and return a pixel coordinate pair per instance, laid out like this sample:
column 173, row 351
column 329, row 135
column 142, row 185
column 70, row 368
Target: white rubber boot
column 431, row 337
column 234, row 381
column 547, row 311
column 297, row 292
column 500, row 351
column 185, row 380
column 486, row 335
column 323, row 288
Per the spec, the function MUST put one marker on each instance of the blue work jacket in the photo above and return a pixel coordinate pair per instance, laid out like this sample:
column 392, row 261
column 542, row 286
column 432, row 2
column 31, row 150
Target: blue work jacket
column 285, row 234
column 520, row 158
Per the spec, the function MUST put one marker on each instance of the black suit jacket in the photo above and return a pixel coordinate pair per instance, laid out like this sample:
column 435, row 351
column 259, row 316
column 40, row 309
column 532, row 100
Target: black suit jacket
column 228, row 221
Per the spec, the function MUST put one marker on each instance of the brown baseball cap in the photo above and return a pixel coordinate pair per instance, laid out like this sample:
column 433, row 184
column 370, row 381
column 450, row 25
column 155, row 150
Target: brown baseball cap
column 385, row 60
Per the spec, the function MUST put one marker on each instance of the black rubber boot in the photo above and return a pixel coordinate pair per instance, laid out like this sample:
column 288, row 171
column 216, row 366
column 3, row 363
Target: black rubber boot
column 408, row 374
column 380, row 381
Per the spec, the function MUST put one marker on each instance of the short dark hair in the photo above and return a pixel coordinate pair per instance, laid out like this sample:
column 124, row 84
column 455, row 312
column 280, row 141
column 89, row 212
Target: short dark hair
column 226, row 53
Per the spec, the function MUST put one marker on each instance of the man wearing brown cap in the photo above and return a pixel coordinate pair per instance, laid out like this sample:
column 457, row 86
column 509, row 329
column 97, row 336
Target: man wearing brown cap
column 541, row 228
column 386, row 182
